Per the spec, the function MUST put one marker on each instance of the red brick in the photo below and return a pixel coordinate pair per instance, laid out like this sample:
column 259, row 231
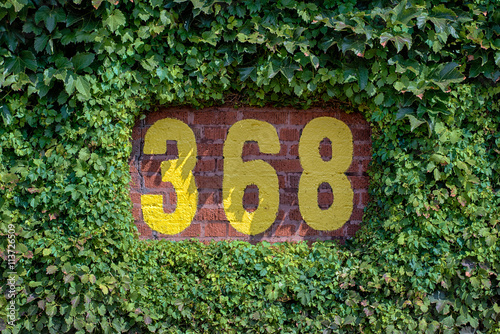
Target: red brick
column 289, row 198
column 289, row 166
column 208, row 197
column 362, row 150
column 137, row 213
column 336, row 233
column 144, row 230
column 136, row 131
column 250, row 148
column 355, row 166
column 215, row 133
column 304, row 117
column 273, row 117
column 135, row 197
column 285, row 230
column 365, row 164
column 352, row 229
column 364, row 198
column 205, row 165
column 281, row 215
column 234, row 233
column 351, row 119
column 209, row 182
column 358, row 182
column 136, row 149
column 361, row 134
column 151, row 165
column 152, row 117
column 294, row 214
column 193, row 230
column 250, row 199
column 210, row 214
column 306, row 230
column 153, row 180
column 132, row 166
column 210, row 150
column 172, row 148
column 293, row 181
column 215, row 117
column 325, row 200
column 281, row 181
column 357, row 215
column 135, row 182
column 294, row 150
column 289, row 134
column 325, row 150
column 216, row 230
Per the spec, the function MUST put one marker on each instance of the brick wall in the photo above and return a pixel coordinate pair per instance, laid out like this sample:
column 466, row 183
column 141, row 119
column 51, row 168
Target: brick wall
column 210, row 127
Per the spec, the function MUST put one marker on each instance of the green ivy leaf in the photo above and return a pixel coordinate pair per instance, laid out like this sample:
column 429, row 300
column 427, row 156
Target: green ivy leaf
column 115, row 20
column 6, row 115
column 51, row 270
column 82, row 60
column 83, row 86
column 17, row 64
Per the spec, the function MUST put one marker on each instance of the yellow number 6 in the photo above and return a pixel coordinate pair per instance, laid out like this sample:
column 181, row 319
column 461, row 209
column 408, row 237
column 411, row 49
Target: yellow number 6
column 316, row 171
column 238, row 175
column 176, row 171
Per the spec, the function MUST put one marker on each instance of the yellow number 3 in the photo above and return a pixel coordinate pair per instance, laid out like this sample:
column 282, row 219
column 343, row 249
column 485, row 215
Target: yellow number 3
column 176, row 171
column 317, row 171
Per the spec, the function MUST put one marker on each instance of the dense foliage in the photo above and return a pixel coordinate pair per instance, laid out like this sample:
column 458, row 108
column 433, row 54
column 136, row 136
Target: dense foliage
column 74, row 76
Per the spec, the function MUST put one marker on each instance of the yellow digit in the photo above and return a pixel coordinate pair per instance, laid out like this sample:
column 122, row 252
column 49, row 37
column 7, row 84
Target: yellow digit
column 238, row 175
column 316, row 171
column 176, row 171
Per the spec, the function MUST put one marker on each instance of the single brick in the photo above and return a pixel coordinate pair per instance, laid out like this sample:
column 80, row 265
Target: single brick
column 212, row 150
column 211, row 117
column 210, row 214
column 209, row 182
column 358, row 182
column 285, row 230
column 205, row 165
column 289, row 134
column 215, row 133
column 193, row 230
column 216, row 229
column 362, row 150
column 273, row 117
column 135, row 182
column 363, row 134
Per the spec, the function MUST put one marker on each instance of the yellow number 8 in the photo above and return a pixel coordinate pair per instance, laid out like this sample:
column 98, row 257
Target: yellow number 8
column 176, row 171
column 317, row 171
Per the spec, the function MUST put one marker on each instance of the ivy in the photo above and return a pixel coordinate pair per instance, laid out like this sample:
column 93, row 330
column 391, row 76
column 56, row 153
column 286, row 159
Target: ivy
column 75, row 75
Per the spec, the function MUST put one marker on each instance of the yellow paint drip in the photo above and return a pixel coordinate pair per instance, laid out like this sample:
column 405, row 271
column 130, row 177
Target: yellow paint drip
column 316, row 171
column 176, row 171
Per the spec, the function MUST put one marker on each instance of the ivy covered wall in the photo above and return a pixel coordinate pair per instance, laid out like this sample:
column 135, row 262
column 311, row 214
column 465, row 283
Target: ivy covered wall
column 75, row 76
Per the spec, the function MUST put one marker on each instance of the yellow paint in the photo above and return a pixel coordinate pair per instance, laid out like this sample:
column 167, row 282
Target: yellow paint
column 176, row 171
column 238, row 175
column 317, row 171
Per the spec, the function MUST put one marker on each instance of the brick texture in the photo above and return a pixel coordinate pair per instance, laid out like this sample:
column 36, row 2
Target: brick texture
column 210, row 127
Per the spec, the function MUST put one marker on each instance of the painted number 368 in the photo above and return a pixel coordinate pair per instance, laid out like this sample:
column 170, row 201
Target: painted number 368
column 239, row 174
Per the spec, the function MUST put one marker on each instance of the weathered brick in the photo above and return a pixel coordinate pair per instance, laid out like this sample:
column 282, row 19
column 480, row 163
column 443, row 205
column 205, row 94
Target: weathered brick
column 285, row 230
column 273, row 117
column 213, row 150
column 152, row 117
column 358, row 182
column 209, row 182
column 216, row 229
column 234, row 233
column 362, row 150
column 205, row 165
column 210, row 214
column 144, row 230
column 306, row 230
column 215, row 117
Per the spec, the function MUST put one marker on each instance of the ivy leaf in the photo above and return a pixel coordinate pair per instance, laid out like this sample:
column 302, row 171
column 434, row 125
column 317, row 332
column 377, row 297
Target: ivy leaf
column 414, row 122
column 41, row 42
column 246, row 72
column 82, row 60
column 446, row 74
column 288, row 70
column 115, row 20
column 17, row 64
column 83, row 86
column 51, row 270
column 6, row 115
column 363, row 77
